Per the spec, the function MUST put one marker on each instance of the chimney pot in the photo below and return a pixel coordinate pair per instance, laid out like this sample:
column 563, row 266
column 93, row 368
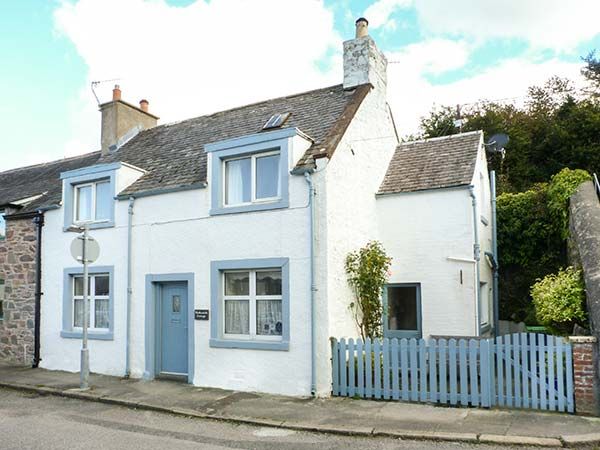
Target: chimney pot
column 362, row 27
column 144, row 105
column 116, row 93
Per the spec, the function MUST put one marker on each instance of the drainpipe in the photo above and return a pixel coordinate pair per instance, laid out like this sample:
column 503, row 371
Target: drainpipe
column 38, row 220
column 495, row 252
column 476, row 257
column 129, row 289
column 313, row 288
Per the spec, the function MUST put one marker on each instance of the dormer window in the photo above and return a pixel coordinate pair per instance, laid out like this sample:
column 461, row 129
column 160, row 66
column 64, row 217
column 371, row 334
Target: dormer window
column 252, row 179
column 251, row 173
column 93, row 201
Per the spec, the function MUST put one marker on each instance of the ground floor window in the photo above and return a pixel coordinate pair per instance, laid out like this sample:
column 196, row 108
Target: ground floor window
column 402, row 310
column 250, row 304
column 100, row 302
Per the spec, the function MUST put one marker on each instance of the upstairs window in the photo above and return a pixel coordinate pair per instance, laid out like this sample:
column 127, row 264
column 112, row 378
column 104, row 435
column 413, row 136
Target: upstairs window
column 93, row 202
column 252, row 179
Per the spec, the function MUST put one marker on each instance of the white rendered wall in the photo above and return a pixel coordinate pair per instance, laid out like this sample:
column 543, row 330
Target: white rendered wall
column 173, row 233
column 429, row 235
column 347, row 217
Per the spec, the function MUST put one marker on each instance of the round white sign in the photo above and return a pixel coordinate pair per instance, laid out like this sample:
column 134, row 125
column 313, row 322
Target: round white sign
column 92, row 249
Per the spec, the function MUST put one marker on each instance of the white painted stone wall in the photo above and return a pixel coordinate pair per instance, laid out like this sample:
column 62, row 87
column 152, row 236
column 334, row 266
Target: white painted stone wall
column 347, row 217
column 173, row 233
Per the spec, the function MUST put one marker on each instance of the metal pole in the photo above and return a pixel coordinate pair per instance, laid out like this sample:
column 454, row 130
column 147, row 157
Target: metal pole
column 39, row 221
column 85, row 357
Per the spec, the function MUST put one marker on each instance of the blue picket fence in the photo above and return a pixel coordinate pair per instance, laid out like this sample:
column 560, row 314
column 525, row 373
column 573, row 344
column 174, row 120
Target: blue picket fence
column 523, row 370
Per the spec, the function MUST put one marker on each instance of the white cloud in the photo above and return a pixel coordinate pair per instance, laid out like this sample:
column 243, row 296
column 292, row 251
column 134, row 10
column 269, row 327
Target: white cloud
column 194, row 60
column 378, row 14
column 555, row 24
column 413, row 96
column 431, row 57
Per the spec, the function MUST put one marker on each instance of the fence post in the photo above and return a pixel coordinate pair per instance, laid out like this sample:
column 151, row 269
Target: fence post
column 585, row 370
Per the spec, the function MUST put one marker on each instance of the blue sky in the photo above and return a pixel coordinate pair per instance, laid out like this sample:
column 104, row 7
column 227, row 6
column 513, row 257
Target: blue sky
column 192, row 57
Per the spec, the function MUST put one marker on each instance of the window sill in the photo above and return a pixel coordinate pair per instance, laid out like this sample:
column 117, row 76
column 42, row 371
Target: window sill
column 252, row 345
column 93, row 225
column 93, row 335
column 280, row 204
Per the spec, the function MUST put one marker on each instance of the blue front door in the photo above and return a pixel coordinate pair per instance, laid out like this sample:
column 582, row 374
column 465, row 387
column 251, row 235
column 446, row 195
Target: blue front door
column 173, row 353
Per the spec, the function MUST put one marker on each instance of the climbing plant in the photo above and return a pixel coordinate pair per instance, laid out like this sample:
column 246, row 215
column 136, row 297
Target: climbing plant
column 368, row 270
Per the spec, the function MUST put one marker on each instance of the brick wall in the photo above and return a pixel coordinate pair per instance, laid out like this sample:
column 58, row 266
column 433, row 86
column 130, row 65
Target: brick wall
column 17, row 268
column 585, row 367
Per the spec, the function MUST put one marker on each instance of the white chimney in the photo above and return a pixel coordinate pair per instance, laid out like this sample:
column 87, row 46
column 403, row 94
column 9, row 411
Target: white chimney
column 363, row 62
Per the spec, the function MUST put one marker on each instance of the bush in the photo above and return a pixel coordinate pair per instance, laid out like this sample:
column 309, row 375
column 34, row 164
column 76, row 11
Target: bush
column 559, row 300
column 562, row 186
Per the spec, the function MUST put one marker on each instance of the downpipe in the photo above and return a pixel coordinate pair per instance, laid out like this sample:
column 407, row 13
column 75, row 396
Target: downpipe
column 495, row 253
column 129, row 288
column 313, row 288
column 476, row 257
column 38, row 220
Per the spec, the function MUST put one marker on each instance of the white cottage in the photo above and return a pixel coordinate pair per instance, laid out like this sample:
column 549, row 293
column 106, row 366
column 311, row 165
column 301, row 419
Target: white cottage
column 223, row 237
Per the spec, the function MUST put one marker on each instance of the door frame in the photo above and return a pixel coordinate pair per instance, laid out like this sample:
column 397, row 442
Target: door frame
column 153, row 292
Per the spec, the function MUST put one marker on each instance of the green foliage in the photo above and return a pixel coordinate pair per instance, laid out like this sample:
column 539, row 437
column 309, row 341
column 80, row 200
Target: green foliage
column 562, row 186
column 556, row 127
column 532, row 233
column 559, row 300
column 368, row 270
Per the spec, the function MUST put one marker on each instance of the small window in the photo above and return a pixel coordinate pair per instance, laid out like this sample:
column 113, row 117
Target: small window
column 485, row 294
column 98, row 302
column 252, row 179
column 1, row 298
column 2, row 225
column 252, row 304
column 93, row 202
column 402, row 307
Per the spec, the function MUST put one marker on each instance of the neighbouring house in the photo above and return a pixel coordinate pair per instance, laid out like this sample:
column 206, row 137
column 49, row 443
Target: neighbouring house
column 223, row 237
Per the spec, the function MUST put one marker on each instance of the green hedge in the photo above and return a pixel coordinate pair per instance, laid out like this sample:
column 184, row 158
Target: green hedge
column 532, row 233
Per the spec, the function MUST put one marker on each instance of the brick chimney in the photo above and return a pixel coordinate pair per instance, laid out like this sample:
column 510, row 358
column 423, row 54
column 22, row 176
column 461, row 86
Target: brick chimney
column 120, row 118
column 363, row 62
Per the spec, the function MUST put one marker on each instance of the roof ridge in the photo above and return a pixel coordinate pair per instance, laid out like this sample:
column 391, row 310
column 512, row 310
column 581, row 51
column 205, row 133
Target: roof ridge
column 32, row 166
column 177, row 122
column 441, row 138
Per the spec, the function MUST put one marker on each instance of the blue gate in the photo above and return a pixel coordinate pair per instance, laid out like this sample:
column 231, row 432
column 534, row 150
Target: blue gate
column 523, row 370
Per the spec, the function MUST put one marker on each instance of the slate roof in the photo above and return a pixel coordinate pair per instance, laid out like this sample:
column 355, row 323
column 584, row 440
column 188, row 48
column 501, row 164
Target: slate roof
column 432, row 163
column 173, row 154
column 25, row 182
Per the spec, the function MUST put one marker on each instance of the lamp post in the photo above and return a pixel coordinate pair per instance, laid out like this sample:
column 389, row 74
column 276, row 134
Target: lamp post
column 85, row 250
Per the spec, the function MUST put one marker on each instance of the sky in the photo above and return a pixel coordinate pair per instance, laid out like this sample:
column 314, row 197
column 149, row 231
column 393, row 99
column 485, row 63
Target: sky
column 194, row 57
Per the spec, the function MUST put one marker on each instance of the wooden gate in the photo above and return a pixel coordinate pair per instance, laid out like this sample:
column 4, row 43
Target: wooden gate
column 520, row 371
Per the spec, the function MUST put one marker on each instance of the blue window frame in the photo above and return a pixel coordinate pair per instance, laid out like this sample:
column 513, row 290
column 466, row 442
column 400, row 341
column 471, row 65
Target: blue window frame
column 251, row 173
column 250, row 303
column 101, row 301
column 88, row 196
column 402, row 310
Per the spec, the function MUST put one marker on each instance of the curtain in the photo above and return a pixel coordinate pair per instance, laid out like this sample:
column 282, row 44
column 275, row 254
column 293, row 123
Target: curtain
column 237, row 317
column 238, row 181
column 101, row 313
column 78, row 313
column 84, row 203
column 268, row 318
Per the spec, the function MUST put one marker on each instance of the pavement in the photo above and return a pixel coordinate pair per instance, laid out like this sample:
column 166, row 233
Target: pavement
column 343, row 416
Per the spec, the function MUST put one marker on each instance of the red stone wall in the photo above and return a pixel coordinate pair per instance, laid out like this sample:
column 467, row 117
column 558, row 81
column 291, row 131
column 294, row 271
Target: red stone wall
column 17, row 268
column 585, row 367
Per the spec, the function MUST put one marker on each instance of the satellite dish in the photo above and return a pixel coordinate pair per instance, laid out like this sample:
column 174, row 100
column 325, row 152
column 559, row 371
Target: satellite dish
column 497, row 142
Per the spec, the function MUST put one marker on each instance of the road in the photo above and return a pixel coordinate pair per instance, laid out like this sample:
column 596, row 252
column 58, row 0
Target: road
column 30, row 421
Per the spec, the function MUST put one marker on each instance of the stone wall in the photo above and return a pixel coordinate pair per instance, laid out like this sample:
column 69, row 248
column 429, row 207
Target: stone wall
column 17, row 268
